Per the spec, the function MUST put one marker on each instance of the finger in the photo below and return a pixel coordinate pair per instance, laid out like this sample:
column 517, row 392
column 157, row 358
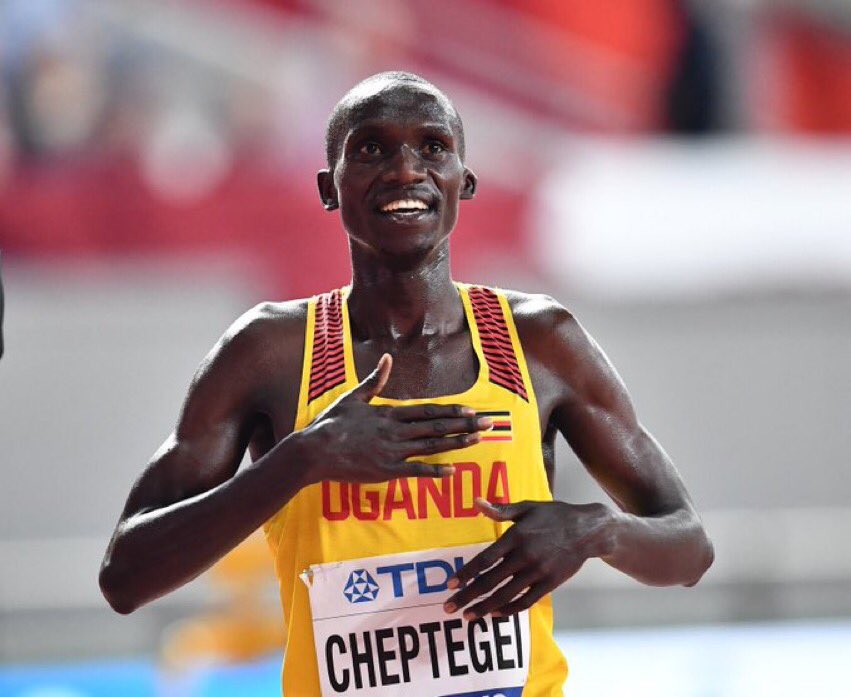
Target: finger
column 442, row 427
column 423, row 469
column 503, row 512
column 431, row 446
column 527, row 600
column 373, row 383
column 419, row 412
column 483, row 560
column 483, row 584
column 502, row 596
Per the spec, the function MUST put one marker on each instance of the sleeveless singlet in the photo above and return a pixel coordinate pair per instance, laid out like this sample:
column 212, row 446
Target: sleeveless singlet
column 335, row 522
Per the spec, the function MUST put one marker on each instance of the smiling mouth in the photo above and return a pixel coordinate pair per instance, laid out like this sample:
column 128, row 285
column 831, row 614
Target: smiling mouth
column 406, row 209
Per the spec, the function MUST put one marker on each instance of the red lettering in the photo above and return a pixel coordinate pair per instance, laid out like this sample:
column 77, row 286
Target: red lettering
column 371, row 497
column 446, row 497
column 406, row 503
column 328, row 511
column 498, row 478
column 441, row 499
column 459, row 510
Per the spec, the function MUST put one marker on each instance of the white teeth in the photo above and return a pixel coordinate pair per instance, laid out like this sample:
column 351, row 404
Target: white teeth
column 404, row 204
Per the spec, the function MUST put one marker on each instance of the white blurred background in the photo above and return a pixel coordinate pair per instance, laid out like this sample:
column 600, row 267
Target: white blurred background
column 677, row 173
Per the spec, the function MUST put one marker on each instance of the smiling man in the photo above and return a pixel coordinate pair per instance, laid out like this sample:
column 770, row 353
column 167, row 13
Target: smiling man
column 402, row 432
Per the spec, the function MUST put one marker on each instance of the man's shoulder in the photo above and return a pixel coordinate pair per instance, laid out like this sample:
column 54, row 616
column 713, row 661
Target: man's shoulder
column 275, row 316
column 548, row 331
column 267, row 331
column 259, row 352
column 537, row 313
column 270, row 321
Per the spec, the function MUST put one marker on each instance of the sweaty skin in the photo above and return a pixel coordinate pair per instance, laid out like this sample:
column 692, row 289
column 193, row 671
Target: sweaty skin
column 193, row 504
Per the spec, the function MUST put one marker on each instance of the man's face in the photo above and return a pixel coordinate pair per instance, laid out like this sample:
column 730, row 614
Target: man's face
column 399, row 175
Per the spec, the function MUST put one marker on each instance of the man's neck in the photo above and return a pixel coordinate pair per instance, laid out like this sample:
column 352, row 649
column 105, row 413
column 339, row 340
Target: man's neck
column 396, row 304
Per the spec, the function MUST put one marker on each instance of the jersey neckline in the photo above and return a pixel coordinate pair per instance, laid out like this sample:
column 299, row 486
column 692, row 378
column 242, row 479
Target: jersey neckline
column 472, row 327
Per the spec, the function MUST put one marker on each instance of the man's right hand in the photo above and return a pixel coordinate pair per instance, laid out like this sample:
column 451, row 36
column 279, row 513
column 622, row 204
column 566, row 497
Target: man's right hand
column 353, row 441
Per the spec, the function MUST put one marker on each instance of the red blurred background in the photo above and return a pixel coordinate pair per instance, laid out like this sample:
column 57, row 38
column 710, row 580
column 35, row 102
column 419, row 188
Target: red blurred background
column 118, row 137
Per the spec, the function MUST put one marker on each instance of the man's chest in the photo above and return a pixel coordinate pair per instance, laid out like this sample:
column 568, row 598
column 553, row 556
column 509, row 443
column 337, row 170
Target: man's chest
column 425, row 367
column 428, row 367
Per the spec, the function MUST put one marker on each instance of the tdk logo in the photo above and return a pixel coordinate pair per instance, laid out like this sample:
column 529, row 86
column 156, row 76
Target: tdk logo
column 361, row 587
column 432, row 575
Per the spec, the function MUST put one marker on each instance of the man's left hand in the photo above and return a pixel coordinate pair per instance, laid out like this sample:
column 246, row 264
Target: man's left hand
column 548, row 543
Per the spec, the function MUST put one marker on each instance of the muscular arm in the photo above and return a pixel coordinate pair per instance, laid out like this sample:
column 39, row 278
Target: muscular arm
column 653, row 534
column 191, row 506
column 188, row 508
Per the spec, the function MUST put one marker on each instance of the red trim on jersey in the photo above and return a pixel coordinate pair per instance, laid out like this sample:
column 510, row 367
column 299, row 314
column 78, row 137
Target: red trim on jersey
column 496, row 341
column 327, row 365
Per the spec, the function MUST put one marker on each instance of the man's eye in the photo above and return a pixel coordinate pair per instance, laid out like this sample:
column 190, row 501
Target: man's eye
column 370, row 148
column 434, row 147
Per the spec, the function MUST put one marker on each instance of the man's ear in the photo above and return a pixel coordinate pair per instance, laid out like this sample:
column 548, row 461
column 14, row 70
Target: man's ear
column 468, row 191
column 327, row 190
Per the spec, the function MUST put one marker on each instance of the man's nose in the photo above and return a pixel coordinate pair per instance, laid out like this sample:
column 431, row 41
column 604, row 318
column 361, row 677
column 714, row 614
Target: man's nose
column 405, row 167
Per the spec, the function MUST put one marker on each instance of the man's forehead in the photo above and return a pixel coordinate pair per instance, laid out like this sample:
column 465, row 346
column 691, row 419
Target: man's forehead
column 398, row 101
column 394, row 90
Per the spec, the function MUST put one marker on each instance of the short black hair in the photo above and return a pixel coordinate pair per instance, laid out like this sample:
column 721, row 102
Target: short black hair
column 339, row 124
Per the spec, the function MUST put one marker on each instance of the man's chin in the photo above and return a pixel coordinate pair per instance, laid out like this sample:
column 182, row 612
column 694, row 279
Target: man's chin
column 407, row 252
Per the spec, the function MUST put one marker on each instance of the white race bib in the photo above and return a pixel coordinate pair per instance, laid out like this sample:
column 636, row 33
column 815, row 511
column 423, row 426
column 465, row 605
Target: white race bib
column 380, row 629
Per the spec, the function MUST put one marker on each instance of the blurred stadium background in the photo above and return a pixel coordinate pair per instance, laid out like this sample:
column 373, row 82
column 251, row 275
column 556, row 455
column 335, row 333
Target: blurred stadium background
column 678, row 173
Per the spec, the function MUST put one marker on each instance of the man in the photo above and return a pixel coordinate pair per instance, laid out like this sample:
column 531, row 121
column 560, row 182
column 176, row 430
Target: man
column 444, row 448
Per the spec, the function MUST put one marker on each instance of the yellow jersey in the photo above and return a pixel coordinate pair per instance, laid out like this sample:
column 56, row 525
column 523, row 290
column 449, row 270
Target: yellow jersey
column 337, row 522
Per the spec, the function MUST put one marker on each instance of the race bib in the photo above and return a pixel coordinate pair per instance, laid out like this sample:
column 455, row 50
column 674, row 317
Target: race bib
column 380, row 628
